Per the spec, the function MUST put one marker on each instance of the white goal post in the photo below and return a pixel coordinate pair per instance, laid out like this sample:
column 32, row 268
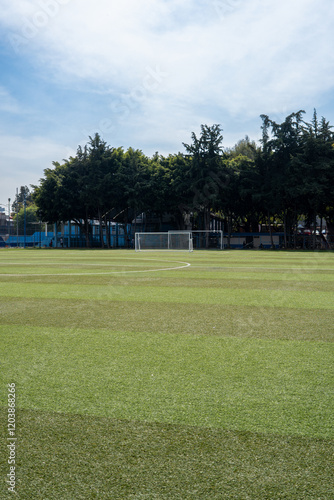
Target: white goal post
column 172, row 240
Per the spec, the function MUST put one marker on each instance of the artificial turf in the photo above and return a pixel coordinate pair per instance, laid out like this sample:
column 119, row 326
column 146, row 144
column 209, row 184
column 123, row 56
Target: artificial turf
column 210, row 381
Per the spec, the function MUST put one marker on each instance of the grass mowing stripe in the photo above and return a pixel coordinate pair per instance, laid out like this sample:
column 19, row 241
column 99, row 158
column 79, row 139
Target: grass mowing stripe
column 237, row 321
column 299, row 275
column 199, row 354
column 225, row 281
column 230, row 296
column 274, row 260
column 74, row 456
column 242, row 384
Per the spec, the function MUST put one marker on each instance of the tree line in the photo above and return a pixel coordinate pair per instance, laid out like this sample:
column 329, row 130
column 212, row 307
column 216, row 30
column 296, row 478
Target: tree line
column 289, row 176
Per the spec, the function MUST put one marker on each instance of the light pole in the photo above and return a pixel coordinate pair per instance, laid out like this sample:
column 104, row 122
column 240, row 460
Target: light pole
column 3, row 223
column 9, row 216
column 25, row 220
column 5, row 206
column 17, row 218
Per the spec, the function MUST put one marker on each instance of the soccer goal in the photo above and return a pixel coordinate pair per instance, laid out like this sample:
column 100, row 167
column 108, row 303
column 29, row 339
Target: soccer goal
column 173, row 240
column 208, row 239
column 205, row 239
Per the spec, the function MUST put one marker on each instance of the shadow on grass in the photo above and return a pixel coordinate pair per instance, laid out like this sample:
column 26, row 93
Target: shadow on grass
column 78, row 457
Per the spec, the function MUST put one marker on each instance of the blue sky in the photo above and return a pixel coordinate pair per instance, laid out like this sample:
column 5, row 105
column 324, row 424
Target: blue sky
column 148, row 73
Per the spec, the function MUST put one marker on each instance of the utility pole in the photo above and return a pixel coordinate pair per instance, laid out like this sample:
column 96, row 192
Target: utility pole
column 9, row 216
column 17, row 218
column 25, row 220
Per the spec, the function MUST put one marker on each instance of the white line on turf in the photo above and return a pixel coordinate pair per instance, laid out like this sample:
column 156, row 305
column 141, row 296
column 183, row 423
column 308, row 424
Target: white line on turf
column 185, row 265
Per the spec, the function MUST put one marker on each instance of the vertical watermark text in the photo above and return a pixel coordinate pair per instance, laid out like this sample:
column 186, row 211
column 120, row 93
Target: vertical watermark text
column 11, row 439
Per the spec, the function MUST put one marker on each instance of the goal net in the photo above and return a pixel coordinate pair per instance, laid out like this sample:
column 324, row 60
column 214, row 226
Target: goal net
column 181, row 241
column 205, row 239
column 208, row 239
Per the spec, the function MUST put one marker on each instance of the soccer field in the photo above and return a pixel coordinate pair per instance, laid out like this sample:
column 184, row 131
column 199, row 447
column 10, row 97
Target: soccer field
column 168, row 375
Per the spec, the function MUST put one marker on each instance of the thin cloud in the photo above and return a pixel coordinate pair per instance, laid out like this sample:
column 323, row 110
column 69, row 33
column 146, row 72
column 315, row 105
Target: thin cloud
column 33, row 148
column 146, row 74
column 23, row 160
column 8, row 103
column 253, row 54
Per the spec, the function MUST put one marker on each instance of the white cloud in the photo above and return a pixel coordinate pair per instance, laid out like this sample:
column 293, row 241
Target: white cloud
column 8, row 103
column 254, row 54
column 31, row 149
column 225, row 61
column 23, row 161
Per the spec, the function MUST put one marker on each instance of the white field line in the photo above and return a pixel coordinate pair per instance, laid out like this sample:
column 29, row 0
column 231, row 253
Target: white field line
column 185, row 264
column 255, row 268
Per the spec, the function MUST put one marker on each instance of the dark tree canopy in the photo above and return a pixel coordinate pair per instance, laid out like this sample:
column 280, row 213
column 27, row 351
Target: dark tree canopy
column 289, row 176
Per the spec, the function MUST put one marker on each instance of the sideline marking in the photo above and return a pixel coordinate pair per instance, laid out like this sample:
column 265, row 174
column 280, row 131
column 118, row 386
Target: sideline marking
column 185, row 265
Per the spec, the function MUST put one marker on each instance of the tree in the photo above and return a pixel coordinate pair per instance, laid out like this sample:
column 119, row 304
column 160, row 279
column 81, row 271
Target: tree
column 81, row 189
column 135, row 193
column 56, row 194
column 314, row 164
column 23, row 195
column 277, row 153
column 178, row 195
column 95, row 179
column 244, row 147
column 27, row 220
column 290, row 175
column 204, row 170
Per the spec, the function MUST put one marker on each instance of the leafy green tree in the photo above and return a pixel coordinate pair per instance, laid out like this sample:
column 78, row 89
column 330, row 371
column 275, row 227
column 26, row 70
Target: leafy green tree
column 160, row 187
column 133, row 181
column 278, row 151
column 314, row 164
column 204, row 171
column 235, row 200
column 244, row 147
column 94, row 174
column 81, row 189
column 178, row 195
column 27, row 220
column 23, row 195
column 49, row 196
column 289, row 176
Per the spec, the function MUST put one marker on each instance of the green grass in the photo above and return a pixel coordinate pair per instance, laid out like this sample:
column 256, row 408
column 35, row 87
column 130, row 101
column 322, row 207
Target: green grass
column 210, row 381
